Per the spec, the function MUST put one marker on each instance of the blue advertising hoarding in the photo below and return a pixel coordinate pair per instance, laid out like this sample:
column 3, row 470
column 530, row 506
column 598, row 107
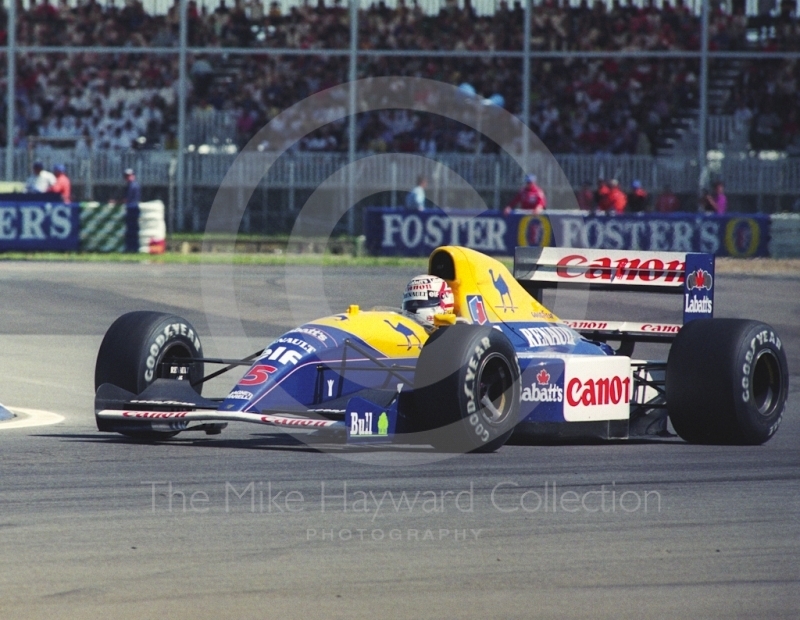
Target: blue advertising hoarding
column 400, row 232
column 39, row 226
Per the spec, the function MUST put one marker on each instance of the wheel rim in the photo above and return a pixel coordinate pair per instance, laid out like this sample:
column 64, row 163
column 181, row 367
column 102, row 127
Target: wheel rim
column 175, row 351
column 495, row 381
column 766, row 382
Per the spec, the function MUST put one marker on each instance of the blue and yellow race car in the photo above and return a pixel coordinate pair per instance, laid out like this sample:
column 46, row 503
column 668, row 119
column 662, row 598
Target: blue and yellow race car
column 499, row 363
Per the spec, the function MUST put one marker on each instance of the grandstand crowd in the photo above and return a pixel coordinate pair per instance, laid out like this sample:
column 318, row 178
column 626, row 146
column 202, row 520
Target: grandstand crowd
column 123, row 101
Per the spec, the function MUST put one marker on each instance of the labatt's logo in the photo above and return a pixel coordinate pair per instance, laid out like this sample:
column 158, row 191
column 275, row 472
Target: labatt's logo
column 542, row 391
column 699, row 280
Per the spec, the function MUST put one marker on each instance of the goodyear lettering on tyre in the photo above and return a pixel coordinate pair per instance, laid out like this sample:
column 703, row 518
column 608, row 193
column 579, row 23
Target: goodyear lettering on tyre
column 759, row 340
column 470, row 389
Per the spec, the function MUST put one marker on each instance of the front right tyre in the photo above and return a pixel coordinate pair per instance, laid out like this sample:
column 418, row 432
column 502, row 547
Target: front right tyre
column 143, row 346
column 466, row 389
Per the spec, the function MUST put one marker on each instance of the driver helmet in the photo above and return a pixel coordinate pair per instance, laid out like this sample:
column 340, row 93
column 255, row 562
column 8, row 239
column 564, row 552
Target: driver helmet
column 426, row 296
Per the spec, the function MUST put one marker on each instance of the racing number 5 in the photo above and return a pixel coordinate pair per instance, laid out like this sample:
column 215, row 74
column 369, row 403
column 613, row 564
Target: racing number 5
column 257, row 375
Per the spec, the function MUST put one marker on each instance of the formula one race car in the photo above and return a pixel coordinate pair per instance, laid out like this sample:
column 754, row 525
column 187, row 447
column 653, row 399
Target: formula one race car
column 500, row 363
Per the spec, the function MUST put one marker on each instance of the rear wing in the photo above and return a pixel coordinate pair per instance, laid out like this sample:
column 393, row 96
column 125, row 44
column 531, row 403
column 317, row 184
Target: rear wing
column 689, row 274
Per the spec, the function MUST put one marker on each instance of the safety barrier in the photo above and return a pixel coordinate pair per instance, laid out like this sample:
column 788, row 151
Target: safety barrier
column 28, row 225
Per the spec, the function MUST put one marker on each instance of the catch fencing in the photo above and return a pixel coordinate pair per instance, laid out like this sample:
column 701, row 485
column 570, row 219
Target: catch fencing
column 752, row 184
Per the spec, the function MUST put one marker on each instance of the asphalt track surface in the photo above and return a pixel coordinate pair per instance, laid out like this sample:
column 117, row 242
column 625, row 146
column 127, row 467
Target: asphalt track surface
column 87, row 530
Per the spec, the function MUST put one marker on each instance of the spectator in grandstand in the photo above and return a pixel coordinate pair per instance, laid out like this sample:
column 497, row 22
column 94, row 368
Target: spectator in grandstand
column 531, row 197
column 62, row 185
column 415, row 199
column 585, row 197
column 667, row 201
column 596, row 106
column 40, row 181
column 637, row 198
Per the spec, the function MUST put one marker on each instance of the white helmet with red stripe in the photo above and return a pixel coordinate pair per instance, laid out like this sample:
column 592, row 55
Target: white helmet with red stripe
column 426, row 296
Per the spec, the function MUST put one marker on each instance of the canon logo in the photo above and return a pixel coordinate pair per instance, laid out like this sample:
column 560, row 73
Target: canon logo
column 652, row 270
column 279, row 421
column 661, row 328
column 152, row 415
column 605, row 391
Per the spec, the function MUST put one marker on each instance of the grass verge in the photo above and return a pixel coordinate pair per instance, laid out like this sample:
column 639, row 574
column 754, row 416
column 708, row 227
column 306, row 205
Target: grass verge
column 211, row 258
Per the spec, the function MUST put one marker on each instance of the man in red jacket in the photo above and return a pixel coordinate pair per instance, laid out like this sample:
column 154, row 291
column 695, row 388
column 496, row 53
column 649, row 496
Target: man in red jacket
column 531, row 197
column 62, row 185
column 617, row 198
column 601, row 195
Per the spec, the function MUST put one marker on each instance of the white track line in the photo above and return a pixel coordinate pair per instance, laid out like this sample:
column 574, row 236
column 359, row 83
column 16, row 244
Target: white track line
column 32, row 417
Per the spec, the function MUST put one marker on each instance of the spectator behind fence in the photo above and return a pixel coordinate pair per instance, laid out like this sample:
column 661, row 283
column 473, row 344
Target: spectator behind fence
column 714, row 201
column 601, row 195
column 667, row 201
column 531, row 197
column 585, row 197
column 133, row 191
column 62, row 185
column 637, row 198
column 719, row 199
column 415, row 199
column 40, row 181
column 616, row 198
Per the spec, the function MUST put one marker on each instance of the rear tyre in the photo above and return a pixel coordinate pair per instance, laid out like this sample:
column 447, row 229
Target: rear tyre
column 139, row 347
column 466, row 389
column 727, row 382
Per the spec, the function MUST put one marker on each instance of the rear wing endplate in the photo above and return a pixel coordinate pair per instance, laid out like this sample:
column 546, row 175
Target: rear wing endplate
column 689, row 274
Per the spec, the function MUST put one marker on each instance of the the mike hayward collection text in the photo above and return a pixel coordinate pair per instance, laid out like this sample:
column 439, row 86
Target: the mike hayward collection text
column 504, row 496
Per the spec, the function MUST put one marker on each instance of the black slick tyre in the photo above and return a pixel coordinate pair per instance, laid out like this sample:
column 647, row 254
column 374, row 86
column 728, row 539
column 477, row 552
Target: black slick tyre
column 137, row 350
column 727, row 382
column 466, row 389
column 138, row 346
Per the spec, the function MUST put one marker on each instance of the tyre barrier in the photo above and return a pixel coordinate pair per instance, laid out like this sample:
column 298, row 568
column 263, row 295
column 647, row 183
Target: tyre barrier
column 117, row 228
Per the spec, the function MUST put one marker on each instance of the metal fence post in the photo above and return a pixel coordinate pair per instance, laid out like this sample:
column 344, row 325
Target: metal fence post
column 11, row 78
column 351, row 120
column 702, row 148
column 172, row 220
column 188, row 182
column 394, row 184
column 88, row 191
column 291, row 186
column 496, row 205
column 182, row 103
column 240, row 199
